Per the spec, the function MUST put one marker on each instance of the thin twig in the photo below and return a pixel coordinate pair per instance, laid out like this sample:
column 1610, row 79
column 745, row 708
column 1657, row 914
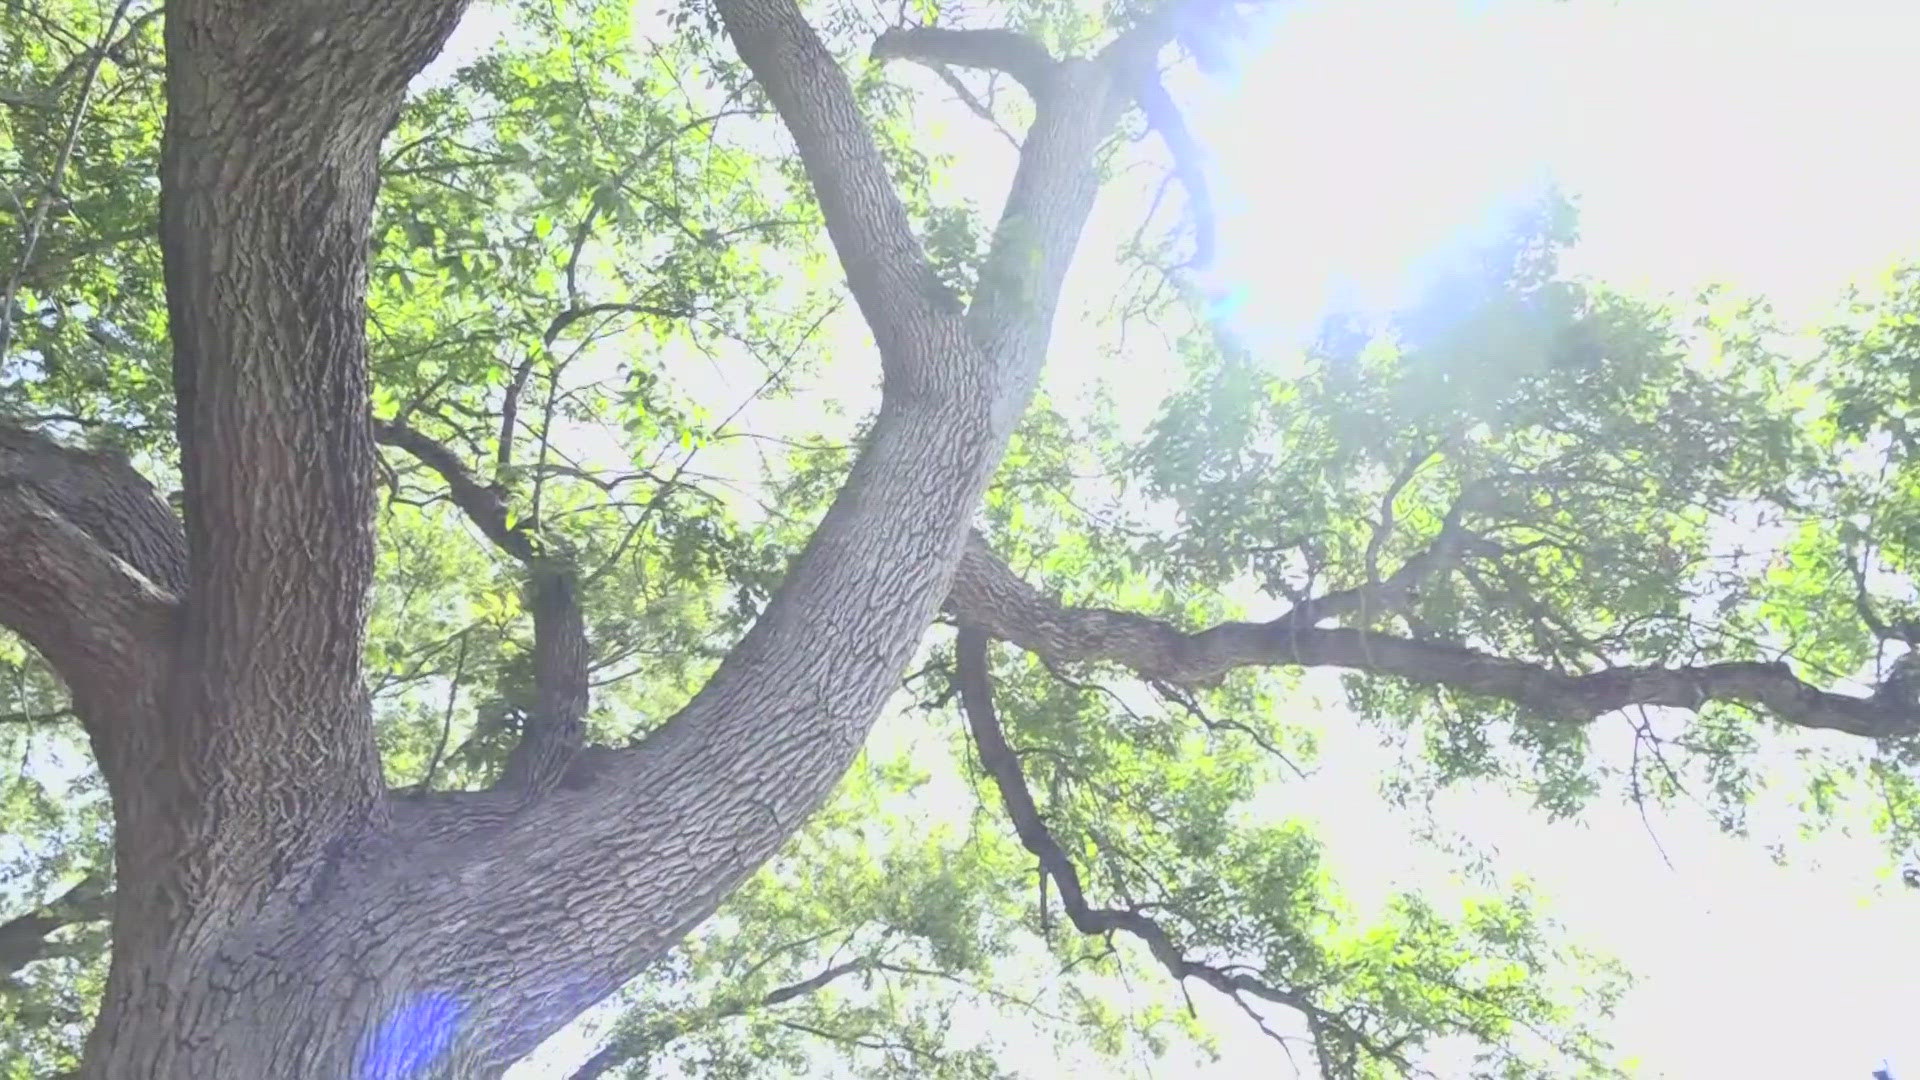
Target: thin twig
column 52, row 192
column 446, row 724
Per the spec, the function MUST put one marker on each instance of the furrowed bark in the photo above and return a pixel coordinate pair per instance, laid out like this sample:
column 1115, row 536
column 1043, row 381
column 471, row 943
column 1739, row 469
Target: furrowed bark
column 989, row 595
column 279, row 915
column 557, row 729
column 677, row 822
column 268, row 171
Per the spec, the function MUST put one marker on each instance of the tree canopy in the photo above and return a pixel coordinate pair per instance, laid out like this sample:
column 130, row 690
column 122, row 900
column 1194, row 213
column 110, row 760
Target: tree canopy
column 621, row 362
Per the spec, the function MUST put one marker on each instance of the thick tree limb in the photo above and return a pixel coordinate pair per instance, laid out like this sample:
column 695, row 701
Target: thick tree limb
column 1003, row 765
column 26, row 938
column 88, row 557
column 687, row 814
column 899, row 294
column 1009, row 51
column 103, row 496
column 556, row 729
column 268, row 171
column 101, row 624
column 988, row 594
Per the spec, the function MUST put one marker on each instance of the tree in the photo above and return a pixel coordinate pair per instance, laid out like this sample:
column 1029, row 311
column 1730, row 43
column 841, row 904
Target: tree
column 1504, row 514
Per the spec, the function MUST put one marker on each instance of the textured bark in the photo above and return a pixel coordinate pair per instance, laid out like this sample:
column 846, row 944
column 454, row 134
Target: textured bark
column 277, row 913
column 263, row 774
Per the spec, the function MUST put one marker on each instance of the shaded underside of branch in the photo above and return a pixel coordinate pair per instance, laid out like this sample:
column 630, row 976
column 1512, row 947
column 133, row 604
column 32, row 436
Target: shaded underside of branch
column 89, row 559
column 104, row 496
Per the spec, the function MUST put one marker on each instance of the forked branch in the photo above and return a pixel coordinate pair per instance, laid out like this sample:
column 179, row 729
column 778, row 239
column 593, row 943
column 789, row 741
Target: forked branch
column 899, row 294
column 1003, row 765
column 556, row 729
column 686, row 814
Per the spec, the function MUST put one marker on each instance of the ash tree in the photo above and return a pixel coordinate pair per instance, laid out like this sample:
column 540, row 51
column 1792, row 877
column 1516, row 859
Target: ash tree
column 410, row 650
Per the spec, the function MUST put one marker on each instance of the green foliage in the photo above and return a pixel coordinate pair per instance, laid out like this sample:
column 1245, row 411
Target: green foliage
column 598, row 275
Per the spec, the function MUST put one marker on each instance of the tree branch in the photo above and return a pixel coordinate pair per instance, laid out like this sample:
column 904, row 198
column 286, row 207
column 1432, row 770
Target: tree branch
column 268, row 170
column 686, row 815
column 556, row 729
column 899, row 294
column 484, row 505
column 1009, row 51
column 24, row 938
column 988, row 594
column 1454, row 543
column 100, row 623
column 1003, row 765
column 91, row 558
column 1054, row 188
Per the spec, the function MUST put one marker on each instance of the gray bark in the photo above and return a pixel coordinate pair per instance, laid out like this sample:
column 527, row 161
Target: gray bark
column 276, row 912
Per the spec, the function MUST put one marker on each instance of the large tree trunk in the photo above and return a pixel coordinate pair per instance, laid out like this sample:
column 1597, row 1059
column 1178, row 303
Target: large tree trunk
column 277, row 912
column 266, row 773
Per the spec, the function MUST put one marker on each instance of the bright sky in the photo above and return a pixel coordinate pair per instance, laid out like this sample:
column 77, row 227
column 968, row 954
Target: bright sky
column 1753, row 143
column 1764, row 144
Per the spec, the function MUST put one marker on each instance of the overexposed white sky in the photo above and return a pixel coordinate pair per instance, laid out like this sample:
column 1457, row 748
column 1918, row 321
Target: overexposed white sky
column 1768, row 145
column 1760, row 142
